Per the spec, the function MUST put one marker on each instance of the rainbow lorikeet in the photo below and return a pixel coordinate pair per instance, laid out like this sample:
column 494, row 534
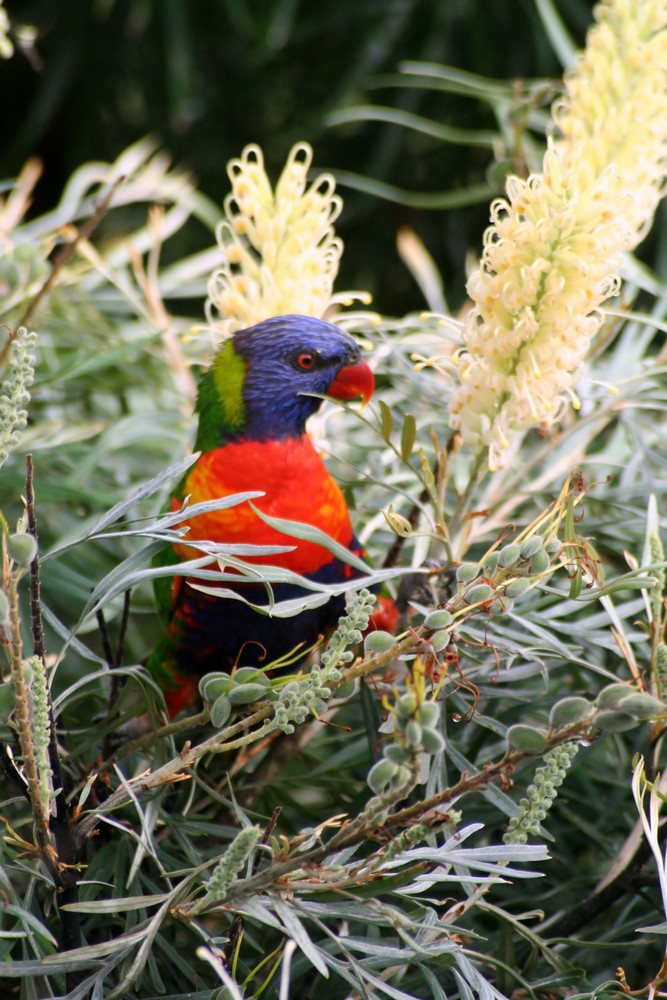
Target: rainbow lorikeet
column 253, row 404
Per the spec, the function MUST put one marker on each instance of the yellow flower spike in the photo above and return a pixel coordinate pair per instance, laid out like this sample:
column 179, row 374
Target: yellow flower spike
column 552, row 252
column 281, row 254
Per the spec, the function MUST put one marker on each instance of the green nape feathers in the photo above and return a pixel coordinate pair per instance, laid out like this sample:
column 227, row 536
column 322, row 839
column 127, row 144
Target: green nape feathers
column 220, row 402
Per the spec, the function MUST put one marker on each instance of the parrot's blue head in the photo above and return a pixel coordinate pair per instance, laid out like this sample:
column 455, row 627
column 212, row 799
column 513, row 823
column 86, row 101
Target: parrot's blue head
column 261, row 382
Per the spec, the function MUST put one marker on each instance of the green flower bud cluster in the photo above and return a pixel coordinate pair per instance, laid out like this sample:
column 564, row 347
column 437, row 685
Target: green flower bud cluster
column 416, row 731
column 229, row 866
column 309, row 695
column 541, row 795
column 14, row 395
column 349, row 631
column 298, row 700
column 409, row 838
column 504, row 574
column 35, row 674
column 661, row 670
column 618, row 707
column 222, row 692
column 439, row 623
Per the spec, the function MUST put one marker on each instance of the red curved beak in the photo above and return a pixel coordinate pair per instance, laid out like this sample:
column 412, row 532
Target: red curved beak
column 352, row 381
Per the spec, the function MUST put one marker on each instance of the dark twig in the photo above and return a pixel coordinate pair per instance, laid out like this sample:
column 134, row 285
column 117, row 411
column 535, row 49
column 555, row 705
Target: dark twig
column 113, row 658
column 64, row 869
column 233, row 935
column 107, row 649
column 122, row 630
column 105, row 638
column 270, row 827
column 120, row 648
column 36, row 623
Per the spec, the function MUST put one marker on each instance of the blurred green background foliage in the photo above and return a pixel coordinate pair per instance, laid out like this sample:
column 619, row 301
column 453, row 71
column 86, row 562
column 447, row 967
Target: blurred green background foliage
column 206, row 78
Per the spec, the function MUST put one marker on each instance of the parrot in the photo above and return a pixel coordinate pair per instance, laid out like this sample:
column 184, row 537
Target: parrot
column 253, row 403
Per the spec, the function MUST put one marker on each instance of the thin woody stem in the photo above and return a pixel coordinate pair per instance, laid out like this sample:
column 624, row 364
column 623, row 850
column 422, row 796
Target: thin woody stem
column 37, row 625
column 61, row 848
column 356, row 833
column 173, row 770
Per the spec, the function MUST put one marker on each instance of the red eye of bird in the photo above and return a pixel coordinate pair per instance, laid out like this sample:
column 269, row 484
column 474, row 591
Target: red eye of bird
column 306, row 361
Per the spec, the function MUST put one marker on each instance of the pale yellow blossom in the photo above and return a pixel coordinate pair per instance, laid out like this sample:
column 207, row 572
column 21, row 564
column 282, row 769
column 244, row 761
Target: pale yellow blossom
column 553, row 250
column 6, row 44
column 281, row 251
column 616, row 102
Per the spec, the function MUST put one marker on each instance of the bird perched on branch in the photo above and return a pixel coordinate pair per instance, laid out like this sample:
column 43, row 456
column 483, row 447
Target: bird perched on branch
column 253, row 404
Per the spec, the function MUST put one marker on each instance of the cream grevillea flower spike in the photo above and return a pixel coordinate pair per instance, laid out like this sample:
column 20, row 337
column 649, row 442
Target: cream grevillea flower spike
column 281, row 251
column 553, row 250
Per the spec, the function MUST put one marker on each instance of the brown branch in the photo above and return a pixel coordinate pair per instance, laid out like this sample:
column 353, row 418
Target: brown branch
column 113, row 658
column 220, row 742
column 154, row 736
column 173, row 770
column 425, row 811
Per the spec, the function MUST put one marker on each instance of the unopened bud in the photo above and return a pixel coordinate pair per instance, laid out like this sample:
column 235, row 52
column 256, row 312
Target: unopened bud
column 22, row 549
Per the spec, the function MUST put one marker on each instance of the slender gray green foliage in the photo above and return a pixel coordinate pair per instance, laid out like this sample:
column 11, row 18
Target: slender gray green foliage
column 447, row 812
